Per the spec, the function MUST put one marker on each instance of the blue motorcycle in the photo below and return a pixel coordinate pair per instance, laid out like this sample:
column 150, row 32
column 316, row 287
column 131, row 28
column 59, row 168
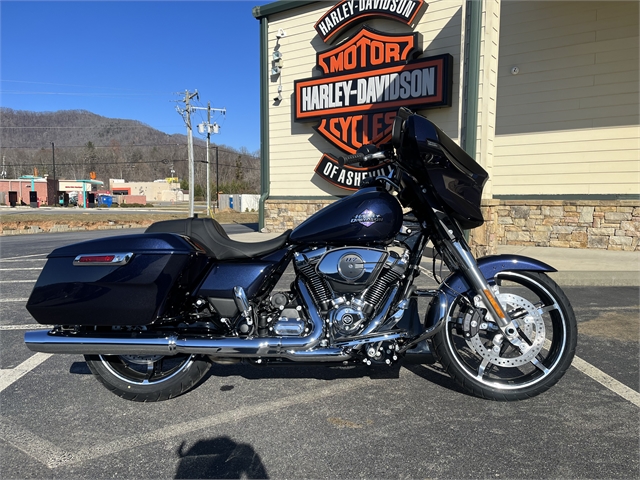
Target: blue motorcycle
column 151, row 312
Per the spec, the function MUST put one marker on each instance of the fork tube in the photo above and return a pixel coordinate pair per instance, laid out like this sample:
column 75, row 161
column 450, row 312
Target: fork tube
column 459, row 249
column 473, row 274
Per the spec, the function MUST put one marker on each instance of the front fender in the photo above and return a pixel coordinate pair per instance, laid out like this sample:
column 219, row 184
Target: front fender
column 455, row 284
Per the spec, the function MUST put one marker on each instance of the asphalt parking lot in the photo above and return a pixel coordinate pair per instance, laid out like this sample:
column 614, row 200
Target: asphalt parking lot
column 57, row 421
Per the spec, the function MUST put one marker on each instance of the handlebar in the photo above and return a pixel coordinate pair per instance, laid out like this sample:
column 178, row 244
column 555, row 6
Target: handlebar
column 350, row 159
column 360, row 158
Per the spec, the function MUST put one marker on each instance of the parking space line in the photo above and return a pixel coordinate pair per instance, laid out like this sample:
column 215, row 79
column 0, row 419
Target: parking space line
column 19, row 269
column 10, row 300
column 607, row 381
column 11, row 375
column 25, row 256
column 29, row 326
column 19, row 281
column 18, row 260
column 606, row 309
column 37, row 448
column 54, row 457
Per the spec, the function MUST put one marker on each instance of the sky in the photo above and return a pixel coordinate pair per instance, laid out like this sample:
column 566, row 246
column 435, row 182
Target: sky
column 134, row 60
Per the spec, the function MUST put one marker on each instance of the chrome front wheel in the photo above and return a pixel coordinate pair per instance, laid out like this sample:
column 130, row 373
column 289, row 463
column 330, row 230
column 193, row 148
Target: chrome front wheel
column 475, row 353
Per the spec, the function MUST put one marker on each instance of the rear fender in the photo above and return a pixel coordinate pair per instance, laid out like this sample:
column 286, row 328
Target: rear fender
column 455, row 284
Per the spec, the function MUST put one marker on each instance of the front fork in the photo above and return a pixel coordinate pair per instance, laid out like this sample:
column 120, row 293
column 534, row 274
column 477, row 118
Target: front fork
column 476, row 279
column 466, row 262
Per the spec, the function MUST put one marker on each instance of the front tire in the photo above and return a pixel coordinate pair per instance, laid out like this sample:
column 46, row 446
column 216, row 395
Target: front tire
column 148, row 378
column 476, row 355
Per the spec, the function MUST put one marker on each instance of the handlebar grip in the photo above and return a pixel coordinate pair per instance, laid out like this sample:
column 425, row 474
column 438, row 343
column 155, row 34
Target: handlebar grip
column 350, row 159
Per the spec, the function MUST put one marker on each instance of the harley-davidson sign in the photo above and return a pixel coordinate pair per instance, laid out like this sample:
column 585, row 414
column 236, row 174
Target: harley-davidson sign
column 347, row 177
column 359, row 87
column 365, row 80
column 346, row 12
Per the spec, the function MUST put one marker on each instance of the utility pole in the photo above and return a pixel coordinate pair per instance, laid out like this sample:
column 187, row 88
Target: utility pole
column 186, row 114
column 217, row 186
column 208, row 143
column 53, row 159
column 210, row 128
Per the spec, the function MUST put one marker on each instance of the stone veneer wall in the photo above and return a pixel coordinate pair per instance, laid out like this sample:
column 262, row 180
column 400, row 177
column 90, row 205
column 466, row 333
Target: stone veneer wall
column 606, row 225
column 609, row 225
column 281, row 215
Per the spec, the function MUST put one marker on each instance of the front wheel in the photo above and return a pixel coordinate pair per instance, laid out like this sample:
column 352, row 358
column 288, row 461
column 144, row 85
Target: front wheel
column 148, row 378
column 477, row 356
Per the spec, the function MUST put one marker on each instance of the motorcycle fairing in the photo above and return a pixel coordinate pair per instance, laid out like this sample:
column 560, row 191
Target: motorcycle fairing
column 455, row 284
column 433, row 157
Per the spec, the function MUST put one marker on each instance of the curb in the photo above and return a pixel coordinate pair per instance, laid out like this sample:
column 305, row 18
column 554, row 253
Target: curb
column 65, row 228
column 596, row 279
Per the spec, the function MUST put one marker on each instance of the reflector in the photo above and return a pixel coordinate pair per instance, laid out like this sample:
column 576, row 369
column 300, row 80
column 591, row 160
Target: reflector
column 96, row 258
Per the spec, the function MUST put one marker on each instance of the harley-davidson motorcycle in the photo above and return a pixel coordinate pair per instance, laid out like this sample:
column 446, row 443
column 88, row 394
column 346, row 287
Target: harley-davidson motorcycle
column 151, row 311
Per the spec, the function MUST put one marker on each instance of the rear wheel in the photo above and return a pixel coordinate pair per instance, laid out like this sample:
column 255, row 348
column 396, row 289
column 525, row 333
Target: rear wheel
column 148, row 378
column 476, row 355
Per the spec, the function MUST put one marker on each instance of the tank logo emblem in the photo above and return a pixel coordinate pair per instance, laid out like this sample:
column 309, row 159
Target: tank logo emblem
column 367, row 218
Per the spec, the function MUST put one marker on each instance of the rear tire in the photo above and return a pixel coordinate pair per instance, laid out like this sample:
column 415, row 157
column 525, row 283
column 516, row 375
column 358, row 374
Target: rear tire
column 148, row 378
column 485, row 364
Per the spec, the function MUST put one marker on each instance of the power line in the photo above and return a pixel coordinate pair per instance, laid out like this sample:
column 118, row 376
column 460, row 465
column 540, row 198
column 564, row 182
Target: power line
column 80, row 94
column 111, row 125
column 121, row 163
column 233, row 152
column 75, row 85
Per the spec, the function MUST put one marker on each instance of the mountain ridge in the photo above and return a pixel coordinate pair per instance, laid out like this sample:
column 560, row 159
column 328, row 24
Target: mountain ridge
column 71, row 128
column 79, row 142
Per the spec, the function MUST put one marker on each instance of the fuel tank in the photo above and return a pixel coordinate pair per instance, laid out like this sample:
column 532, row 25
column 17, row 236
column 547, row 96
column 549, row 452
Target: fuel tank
column 368, row 216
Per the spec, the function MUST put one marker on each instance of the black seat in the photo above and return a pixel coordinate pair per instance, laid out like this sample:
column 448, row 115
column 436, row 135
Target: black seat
column 211, row 237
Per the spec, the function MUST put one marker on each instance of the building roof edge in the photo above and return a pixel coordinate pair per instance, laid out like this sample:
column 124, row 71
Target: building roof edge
column 279, row 6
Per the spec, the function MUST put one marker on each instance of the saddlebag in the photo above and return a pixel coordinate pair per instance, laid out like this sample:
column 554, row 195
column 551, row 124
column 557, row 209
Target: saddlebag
column 124, row 280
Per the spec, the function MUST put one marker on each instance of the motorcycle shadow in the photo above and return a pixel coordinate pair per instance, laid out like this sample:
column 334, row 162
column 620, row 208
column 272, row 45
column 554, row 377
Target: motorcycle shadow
column 219, row 457
column 432, row 373
column 297, row 371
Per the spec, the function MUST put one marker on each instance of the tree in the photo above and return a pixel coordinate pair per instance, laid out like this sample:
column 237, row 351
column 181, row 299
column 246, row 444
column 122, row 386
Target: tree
column 239, row 172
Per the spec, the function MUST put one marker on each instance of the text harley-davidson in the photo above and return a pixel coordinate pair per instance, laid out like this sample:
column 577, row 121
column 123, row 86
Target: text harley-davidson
column 150, row 312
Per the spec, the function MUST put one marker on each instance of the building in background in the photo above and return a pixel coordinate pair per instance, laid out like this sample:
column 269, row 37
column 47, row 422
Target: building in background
column 147, row 192
column 15, row 192
column 543, row 94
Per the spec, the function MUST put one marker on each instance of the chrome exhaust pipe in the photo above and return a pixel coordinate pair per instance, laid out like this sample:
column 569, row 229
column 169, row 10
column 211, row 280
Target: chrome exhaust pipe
column 73, row 343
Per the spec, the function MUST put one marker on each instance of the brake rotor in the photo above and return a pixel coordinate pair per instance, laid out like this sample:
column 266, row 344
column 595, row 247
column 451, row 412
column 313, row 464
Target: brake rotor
column 531, row 325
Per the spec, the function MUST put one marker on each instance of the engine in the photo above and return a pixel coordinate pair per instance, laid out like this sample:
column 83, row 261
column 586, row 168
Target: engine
column 349, row 284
